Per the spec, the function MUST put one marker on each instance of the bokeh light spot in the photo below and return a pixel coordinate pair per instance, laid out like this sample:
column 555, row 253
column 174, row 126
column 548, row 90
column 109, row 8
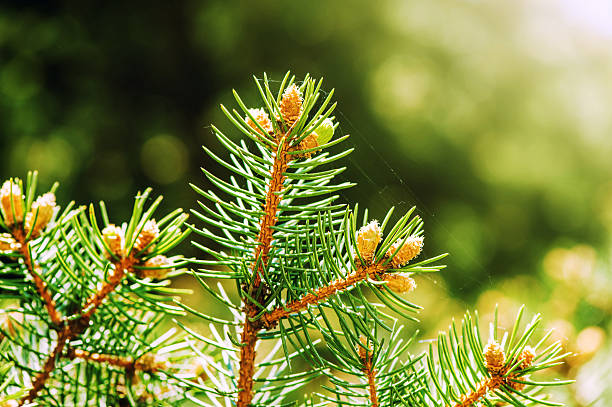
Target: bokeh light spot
column 164, row 159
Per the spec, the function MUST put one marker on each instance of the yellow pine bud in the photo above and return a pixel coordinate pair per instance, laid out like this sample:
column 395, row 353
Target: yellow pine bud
column 9, row 403
column 408, row 251
column 148, row 234
column 198, row 368
column 262, row 118
column 160, row 266
column 363, row 350
column 291, row 105
column 399, row 283
column 113, row 236
column 310, row 141
column 7, row 324
column 8, row 243
column 41, row 213
column 11, row 200
column 494, row 356
column 368, row 238
column 527, row 356
column 150, row 362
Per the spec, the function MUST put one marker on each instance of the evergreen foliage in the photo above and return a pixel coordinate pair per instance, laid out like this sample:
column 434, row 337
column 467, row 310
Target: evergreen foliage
column 320, row 290
column 83, row 300
column 308, row 270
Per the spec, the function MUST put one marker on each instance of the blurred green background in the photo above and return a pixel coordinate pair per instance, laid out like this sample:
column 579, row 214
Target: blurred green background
column 492, row 117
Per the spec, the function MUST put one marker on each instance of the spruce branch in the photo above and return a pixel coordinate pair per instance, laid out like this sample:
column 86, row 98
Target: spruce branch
column 306, row 271
column 467, row 373
column 291, row 249
column 77, row 274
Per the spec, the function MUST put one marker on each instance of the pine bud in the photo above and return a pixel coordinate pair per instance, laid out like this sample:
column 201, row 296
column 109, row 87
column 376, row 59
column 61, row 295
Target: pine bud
column 160, row 266
column 11, row 200
column 9, row 403
column 494, row 356
column 148, row 234
column 113, row 236
column 291, row 105
column 309, row 142
column 150, row 362
column 527, row 356
column 363, row 350
column 8, row 243
column 408, row 251
column 7, row 324
column 262, row 118
column 198, row 368
column 368, row 238
column 325, row 131
column 40, row 214
column 400, row 283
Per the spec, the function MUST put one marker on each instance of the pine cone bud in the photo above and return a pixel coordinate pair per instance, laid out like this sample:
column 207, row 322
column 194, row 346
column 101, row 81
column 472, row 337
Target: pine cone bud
column 41, row 213
column 408, row 251
column 198, row 368
column 150, row 362
column 160, row 266
column 363, row 350
column 8, row 243
column 494, row 356
column 262, row 118
column 291, row 105
column 7, row 324
column 11, row 200
column 400, row 283
column 148, row 234
column 527, row 356
column 310, row 141
column 113, row 236
column 368, row 238
column 516, row 386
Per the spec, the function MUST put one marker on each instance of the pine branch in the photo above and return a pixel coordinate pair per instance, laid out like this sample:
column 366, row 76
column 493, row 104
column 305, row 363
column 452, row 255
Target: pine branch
column 372, row 271
column 35, row 273
column 75, row 327
column 76, row 253
column 365, row 355
column 466, row 374
column 146, row 363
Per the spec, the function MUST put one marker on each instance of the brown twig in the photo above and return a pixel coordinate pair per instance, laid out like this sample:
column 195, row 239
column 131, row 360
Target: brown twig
column 264, row 239
column 77, row 327
column 41, row 286
column 365, row 354
column 48, row 367
column 490, row 384
column 271, row 318
column 115, row 276
column 146, row 363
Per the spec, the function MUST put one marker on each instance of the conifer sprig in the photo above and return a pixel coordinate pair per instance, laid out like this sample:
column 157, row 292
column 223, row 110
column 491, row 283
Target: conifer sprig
column 74, row 271
column 295, row 254
column 465, row 371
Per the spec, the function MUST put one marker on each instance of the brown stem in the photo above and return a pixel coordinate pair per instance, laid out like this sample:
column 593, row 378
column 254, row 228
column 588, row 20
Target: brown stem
column 77, row 326
column 370, row 372
column 270, row 319
column 35, row 272
column 264, row 239
column 268, row 220
column 48, row 367
column 485, row 386
column 115, row 276
column 146, row 363
column 119, row 361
